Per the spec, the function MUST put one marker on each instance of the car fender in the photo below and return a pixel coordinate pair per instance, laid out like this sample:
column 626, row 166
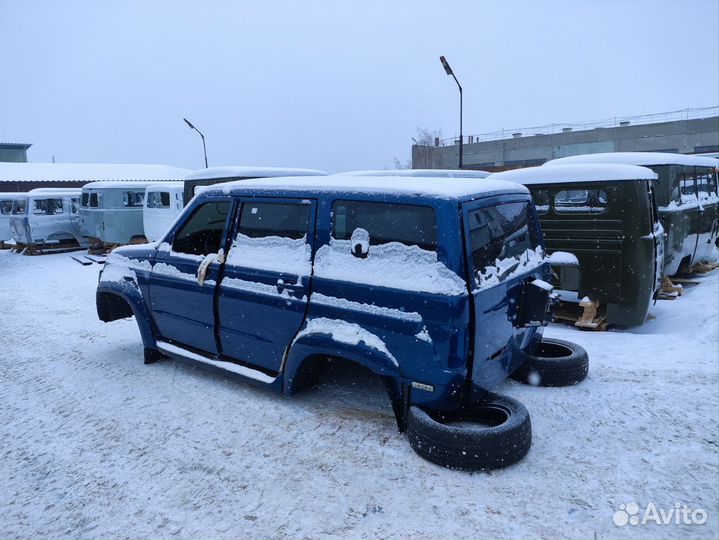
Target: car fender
column 130, row 293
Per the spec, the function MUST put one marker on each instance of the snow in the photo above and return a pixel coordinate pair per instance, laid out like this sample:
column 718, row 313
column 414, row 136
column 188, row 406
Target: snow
column 575, row 173
column 97, row 445
column 345, row 332
column 509, row 267
column 87, row 172
column 121, row 184
column 273, row 253
column 258, row 288
column 379, row 311
column 396, row 185
column 563, row 258
column 392, row 265
column 638, row 158
column 428, row 173
column 232, row 171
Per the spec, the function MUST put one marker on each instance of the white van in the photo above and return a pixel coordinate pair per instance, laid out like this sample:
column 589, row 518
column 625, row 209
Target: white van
column 6, row 200
column 47, row 216
column 163, row 203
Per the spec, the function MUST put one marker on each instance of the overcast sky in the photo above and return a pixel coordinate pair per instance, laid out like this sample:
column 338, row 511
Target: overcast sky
column 333, row 85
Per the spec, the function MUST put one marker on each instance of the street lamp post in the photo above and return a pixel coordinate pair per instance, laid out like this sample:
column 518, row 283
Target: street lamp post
column 204, row 148
column 449, row 71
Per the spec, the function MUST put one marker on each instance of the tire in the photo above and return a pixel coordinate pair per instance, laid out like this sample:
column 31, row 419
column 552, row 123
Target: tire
column 555, row 363
column 501, row 434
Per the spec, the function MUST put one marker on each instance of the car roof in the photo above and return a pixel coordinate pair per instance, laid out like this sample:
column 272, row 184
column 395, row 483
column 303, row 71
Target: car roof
column 165, row 185
column 135, row 184
column 54, row 191
column 638, row 158
column 576, row 173
column 433, row 188
column 430, row 173
column 236, row 171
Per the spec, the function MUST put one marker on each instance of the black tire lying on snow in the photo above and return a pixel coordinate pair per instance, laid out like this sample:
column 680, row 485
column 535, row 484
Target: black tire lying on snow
column 489, row 435
column 555, row 363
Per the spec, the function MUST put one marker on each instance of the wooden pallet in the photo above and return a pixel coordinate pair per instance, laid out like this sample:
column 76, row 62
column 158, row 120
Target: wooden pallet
column 591, row 317
column 703, row 268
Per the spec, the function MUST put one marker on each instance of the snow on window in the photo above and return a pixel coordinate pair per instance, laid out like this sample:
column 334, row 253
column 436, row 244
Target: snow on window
column 344, row 332
column 391, row 265
column 509, row 267
column 342, row 303
column 273, row 253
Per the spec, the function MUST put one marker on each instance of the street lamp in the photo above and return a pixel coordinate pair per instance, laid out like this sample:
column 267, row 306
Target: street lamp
column 204, row 148
column 449, row 71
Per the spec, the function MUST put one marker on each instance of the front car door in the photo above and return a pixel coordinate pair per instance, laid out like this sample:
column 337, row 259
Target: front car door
column 182, row 307
column 265, row 285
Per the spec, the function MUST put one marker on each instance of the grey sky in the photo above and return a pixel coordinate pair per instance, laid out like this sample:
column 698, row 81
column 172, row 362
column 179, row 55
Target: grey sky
column 333, row 85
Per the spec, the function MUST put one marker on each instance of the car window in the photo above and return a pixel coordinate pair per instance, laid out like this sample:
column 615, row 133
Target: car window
column 271, row 219
column 580, row 201
column 499, row 232
column 5, row 207
column 84, row 201
column 57, row 206
column 133, row 199
column 19, row 207
column 386, row 222
column 41, row 207
column 202, row 232
column 95, row 199
column 158, row 199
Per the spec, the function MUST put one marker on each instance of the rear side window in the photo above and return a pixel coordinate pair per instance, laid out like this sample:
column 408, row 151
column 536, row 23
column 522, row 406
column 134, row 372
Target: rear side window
column 500, row 232
column 133, row 199
column 95, row 200
column 580, row 201
column 19, row 207
column 386, row 222
column 273, row 219
column 57, row 206
column 5, row 207
column 85, row 200
column 202, row 233
column 41, row 207
column 158, row 199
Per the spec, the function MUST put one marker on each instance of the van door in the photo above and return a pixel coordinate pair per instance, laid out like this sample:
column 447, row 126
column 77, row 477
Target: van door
column 183, row 305
column 265, row 285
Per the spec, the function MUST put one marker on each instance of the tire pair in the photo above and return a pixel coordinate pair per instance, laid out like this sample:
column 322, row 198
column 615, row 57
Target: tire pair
column 497, row 431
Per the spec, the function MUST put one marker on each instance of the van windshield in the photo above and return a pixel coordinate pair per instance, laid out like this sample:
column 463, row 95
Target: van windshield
column 19, row 206
column 503, row 239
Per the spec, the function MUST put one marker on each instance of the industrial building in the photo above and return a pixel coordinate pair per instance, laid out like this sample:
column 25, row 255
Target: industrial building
column 14, row 152
column 690, row 131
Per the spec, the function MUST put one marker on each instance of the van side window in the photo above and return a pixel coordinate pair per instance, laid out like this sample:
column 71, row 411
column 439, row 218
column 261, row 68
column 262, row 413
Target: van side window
column 57, row 206
column 133, row 199
column 19, row 207
column 541, row 201
column 5, row 207
column 85, row 200
column 202, row 233
column 94, row 200
column 158, row 199
column 386, row 222
column 258, row 220
column 75, row 203
column 580, row 201
column 40, row 207
column 705, row 184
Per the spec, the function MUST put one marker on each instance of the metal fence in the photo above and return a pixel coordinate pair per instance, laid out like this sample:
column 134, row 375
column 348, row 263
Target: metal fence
column 551, row 129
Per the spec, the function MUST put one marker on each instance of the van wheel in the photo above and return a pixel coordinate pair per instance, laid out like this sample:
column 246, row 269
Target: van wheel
column 555, row 363
column 488, row 435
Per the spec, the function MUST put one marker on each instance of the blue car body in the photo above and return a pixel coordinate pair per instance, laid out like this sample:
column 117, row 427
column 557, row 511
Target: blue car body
column 270, row 309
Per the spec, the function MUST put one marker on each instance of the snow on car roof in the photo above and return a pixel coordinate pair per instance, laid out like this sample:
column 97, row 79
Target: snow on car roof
column 165, row 185
column 87, row 172
column 121, row 184
column 574, row 173
column 232, row 171
column 638, row 158
column 54, row 191
column 430, row 173
column 430, row 187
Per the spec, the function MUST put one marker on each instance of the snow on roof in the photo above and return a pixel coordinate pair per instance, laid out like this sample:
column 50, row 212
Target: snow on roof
column 87, row 172
column 574, row 173
column 54, row 191
column 165, row 185
column 638, row 158
column 232, row 171
column 428, row 173
column 6, row 194
column 430, row 187
column 120, row 184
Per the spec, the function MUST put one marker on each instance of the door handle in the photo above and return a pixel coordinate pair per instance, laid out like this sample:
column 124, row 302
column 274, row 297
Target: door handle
column 293, row 287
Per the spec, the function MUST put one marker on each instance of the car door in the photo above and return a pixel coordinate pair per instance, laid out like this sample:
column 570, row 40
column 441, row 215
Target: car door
column 183, row 306
column 265, row 285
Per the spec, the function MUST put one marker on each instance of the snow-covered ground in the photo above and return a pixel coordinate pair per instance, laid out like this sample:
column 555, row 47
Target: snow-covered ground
column 93, row 444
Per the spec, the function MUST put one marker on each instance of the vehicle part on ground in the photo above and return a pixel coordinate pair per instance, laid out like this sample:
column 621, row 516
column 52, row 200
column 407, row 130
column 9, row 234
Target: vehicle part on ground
column 556, row 362
column 491, row 434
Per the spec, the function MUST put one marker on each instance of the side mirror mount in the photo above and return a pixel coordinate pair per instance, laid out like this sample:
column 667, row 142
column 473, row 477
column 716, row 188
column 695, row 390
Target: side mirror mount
column 359, row 243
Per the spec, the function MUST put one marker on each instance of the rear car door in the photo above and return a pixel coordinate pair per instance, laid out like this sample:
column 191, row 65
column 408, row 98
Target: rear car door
column 265, row 285
column 182, row 307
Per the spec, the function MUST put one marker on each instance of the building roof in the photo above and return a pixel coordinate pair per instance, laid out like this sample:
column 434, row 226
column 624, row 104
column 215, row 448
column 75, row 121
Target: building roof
column 15, row 146
column 576, row 173
column 460, row 188
column 87, row 172
column 639, row 158
column 428, row 173
column 235, row 171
